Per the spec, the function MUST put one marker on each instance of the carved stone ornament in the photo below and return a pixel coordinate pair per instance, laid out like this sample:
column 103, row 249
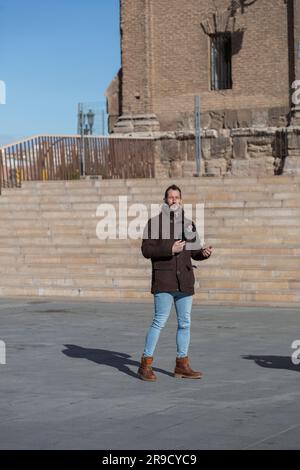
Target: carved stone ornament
column 219, row 22
column 224, row 21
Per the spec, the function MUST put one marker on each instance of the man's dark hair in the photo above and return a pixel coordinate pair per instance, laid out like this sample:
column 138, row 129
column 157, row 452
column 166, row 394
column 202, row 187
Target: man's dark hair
column 174, row 188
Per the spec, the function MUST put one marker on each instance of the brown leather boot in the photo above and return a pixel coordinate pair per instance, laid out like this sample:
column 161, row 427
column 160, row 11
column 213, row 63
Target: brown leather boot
column 183, row 369
column 145, row 371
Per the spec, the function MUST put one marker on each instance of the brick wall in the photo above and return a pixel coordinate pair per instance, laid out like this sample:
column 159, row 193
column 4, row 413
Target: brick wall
column 166, row 58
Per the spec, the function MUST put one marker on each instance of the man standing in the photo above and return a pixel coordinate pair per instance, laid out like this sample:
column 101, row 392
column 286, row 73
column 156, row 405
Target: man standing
column 169, row 240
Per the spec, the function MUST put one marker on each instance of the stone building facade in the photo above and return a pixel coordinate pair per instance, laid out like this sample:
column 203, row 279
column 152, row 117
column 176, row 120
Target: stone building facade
column 242, row 57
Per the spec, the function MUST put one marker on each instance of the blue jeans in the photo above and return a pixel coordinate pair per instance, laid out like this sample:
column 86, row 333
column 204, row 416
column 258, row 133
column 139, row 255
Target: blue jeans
column 163, row 303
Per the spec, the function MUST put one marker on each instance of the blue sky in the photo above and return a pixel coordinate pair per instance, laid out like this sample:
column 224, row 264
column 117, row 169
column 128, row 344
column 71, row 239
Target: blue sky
column 53, row 55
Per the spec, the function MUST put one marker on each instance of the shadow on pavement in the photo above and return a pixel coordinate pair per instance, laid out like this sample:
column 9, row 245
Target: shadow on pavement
column 274, row 362
column 115, row 359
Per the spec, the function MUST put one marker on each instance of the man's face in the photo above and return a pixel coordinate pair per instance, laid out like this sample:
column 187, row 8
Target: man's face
column 173, row 198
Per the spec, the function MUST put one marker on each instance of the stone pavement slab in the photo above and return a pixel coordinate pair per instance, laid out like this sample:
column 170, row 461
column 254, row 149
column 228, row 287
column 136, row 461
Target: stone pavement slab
column 70, row 380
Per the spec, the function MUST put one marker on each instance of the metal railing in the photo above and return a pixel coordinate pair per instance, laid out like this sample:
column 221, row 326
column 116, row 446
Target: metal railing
column 70, row 157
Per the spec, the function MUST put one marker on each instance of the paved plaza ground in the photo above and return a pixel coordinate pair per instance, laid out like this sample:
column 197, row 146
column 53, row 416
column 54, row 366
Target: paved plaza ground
column 70, row 380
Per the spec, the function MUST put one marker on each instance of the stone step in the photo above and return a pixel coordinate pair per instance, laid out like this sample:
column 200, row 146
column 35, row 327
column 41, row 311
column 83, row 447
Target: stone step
column 19, row 201
column 18, row 198
column 71, row 281
column 248, row 273
column 90, row 210
column 93, row 245
column 199, row 181
column 36, row 202
column 92, row 205
column 157, row 182
column 226, row 179
column 87, row 229
column 96, row 282
column 59, row 183
column 156, row 186
column 243, row 194
column 280, row 298
column 244, row 241
column 217, row 193
column 237, row 186
column 67, row 210
column 220, row 196
column 214, row 297
column 287, row 218
column 129, row 245
column 136, row 252
column 233, row 261
column 156, row 189
column 125, row 246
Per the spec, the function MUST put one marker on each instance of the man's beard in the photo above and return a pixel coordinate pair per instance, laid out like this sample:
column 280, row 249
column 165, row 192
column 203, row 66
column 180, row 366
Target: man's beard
column 174, row 207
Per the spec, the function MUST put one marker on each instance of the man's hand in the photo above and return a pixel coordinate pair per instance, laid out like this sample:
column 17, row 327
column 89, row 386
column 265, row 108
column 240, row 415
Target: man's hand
column 207, row 251
column 178, row 246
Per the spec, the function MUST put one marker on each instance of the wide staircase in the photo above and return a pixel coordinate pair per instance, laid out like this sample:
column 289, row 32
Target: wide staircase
column 49, row 245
